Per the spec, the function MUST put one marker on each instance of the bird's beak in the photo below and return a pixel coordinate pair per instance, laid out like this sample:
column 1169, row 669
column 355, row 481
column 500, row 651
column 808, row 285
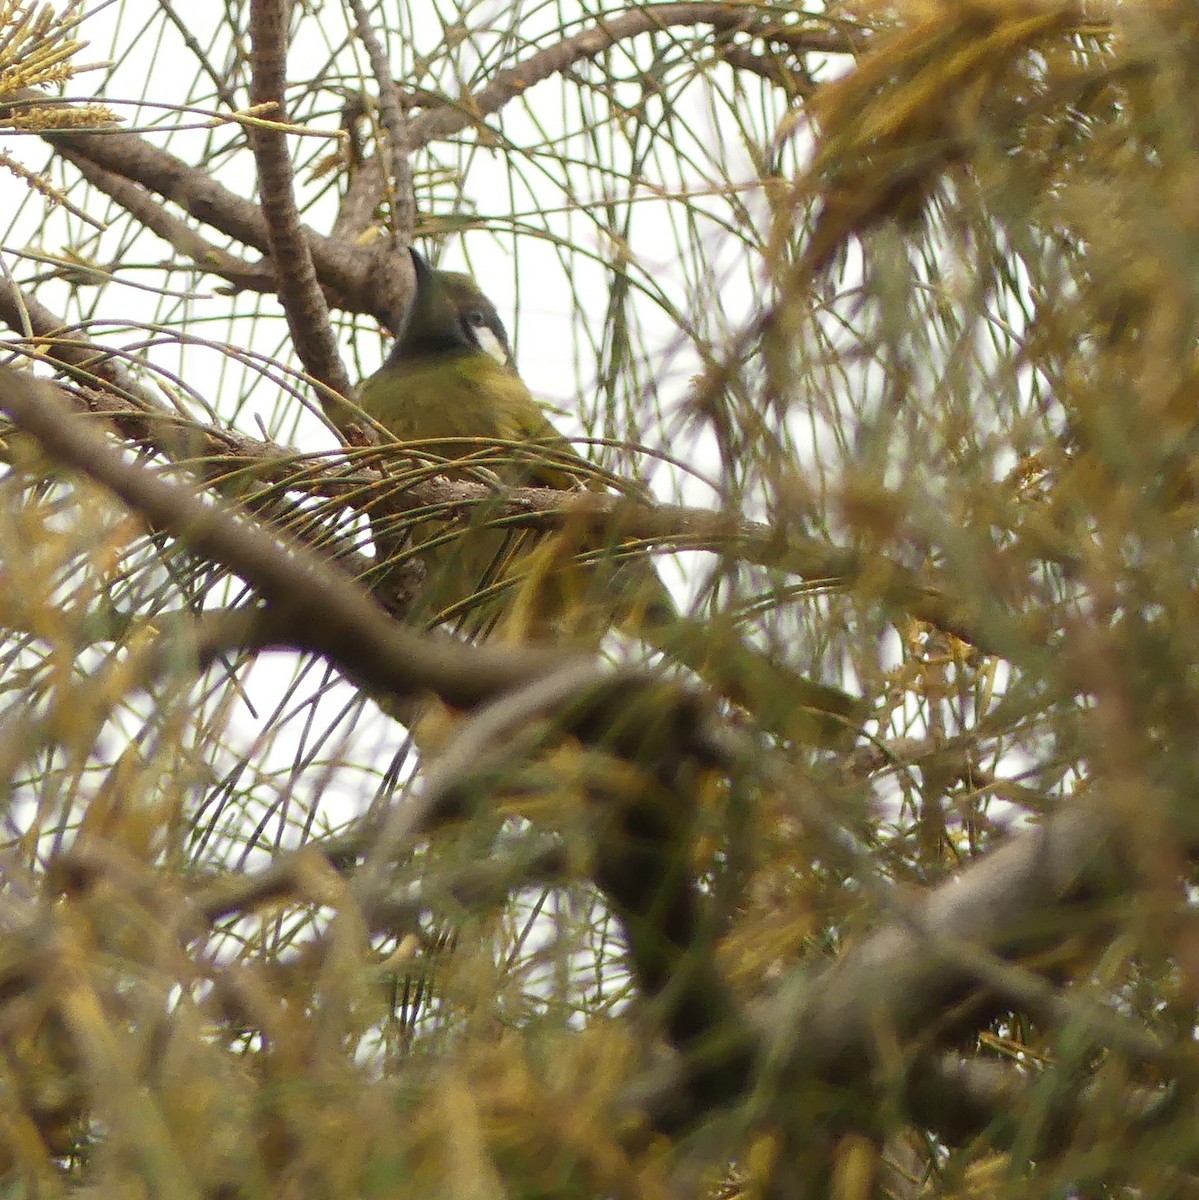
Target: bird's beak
column 420, row 268
column 423, row 274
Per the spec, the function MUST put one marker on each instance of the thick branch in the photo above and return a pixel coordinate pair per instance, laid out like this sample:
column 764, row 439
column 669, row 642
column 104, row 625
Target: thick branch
column 961, row 1098
column 1018, row 900
column 336, row 617
column 840, row 1027
column 86, row 361
column 357, row 276
column 644, row 855
column 673, row 526
column 299, row 293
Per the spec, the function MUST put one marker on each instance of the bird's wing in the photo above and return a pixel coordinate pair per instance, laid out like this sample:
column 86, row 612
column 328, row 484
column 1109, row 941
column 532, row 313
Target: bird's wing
column 551, row 461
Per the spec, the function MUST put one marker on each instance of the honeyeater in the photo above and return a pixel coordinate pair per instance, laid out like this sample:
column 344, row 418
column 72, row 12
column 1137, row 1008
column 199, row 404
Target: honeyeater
column 449, row 390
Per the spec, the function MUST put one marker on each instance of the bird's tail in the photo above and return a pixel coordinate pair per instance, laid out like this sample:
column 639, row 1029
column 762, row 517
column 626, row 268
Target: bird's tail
column 781, row 700
column 590, row 594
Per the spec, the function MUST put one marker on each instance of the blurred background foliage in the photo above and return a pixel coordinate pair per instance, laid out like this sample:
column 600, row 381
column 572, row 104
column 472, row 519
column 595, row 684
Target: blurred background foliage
column 915, row 282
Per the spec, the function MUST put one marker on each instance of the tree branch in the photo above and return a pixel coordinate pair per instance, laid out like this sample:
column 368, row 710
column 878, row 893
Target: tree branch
column 677, row 527
column 607, row 32
column 361, row 280
column 153, row 214
column 323, row 610
column 1013, row 903
column 397, row 179
column 962, row 1098
column 301, row 297
column 51, row 340
column 839, row 1027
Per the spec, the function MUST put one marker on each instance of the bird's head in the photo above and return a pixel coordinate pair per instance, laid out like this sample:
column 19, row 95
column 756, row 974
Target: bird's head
column 449, row 315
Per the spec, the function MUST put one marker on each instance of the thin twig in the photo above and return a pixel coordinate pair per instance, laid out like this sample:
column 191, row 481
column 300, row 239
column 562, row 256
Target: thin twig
column 605, row 33
column 153, row 214
column 398, row 176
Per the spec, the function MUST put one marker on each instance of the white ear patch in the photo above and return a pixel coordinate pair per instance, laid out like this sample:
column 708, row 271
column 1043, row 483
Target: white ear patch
column 491, row 344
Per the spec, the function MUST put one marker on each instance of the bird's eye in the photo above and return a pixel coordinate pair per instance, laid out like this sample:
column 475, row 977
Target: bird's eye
column 486, row 336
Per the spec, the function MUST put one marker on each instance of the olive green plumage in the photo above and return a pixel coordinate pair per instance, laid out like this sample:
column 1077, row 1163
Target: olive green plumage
column 443, row 380
column 449, row 388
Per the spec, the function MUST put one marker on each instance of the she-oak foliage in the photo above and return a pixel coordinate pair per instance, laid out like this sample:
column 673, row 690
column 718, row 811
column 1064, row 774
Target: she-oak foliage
column 872, row 330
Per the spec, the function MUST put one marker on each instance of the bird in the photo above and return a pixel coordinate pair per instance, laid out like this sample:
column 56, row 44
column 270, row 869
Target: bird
column 449, row 388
